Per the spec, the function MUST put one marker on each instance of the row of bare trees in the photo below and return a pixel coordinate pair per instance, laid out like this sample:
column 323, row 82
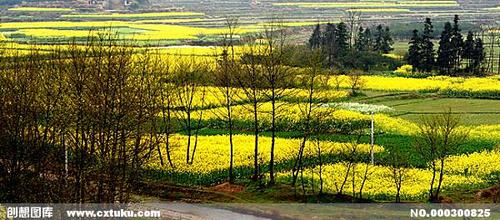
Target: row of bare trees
column 75, row 122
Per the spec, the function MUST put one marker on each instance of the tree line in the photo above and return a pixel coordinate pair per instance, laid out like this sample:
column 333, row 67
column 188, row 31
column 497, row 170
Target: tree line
column 454, row 56
column 340, row 43
column 78, row 123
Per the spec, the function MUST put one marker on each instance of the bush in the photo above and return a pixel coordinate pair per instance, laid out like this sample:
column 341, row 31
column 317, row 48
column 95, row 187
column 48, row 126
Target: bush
column 493, row 178
column 404, row 70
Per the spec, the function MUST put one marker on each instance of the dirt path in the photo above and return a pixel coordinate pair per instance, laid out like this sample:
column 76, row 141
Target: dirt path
column 187, row 211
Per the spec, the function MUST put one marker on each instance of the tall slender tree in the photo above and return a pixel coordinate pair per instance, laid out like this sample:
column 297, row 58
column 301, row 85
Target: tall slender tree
column 456, row 45
column 276, row 78
column 427, row 46
column 379, row 38
column 224, row 78
column 364, row 40
column 445, row 56
column 369, row 39
column 329, row 43
column 387, row 41
column 342, row 39
column 315, row 39
column 359, row 44
column 479, row 56
column 353, row 21
column 250, row 80
column 415, row 51
column 468, row 50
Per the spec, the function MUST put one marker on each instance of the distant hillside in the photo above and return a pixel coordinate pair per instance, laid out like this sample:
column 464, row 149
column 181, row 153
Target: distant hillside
column 376, row 10
column 81, row 4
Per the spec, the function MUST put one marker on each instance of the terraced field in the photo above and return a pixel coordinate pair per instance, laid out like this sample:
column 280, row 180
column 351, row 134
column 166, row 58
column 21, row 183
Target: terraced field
column 38, row 9
column 195, row 20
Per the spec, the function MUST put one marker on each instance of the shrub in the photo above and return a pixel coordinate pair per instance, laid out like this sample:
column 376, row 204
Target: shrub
column 404, row 69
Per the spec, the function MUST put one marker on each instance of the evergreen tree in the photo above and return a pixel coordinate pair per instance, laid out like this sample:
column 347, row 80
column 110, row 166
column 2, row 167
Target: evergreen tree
column 445, row 56
column 364, row 41
column 415, row 51
column 369, row 39
column 387, row 41
column 456, row 45
column 342, row 37
column 468, row 50
column 329, row 43
column 427, row 47
column 479, row 56
column 361, row 43
column 379, row 38
column 315, row 39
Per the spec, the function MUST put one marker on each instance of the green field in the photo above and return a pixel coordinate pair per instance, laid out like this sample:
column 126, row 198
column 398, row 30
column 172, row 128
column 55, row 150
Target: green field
column 474, row 111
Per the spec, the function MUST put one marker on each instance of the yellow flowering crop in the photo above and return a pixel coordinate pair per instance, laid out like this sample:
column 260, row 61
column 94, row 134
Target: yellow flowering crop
column 144, row 31
column 134, row 15
column 212, row 153
column 475, row 164
column 379, row 184
column 289, row 114
column 393, row 56
column 379, row 10
column 444, row 84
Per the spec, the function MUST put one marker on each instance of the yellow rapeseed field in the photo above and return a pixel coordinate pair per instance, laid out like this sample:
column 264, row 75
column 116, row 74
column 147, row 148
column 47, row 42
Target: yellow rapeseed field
column 379, row 184
column 152, row 30
column 430, row 84
column 212, row 153
column 135, row 15
column 475, row 164
column 368, row 10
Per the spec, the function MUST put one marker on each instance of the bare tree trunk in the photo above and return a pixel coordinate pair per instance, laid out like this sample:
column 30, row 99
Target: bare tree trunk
column 198, row 123
column 320, row 168
column 431, row 190
column 365, row 177
column 441, row 174
column 230, row 124
column 256, row 174
column 273, row 136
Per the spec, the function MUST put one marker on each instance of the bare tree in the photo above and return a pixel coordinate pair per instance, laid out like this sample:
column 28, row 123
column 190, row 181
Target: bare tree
column 77, row 121
column 353, row 20
column 337, row 78
column 276, row 78
column 439, row 136
column 309, row 108
column 399, row 171
column 356, row 81
column 225, row 81
column 250, row 81
column 189, row 76
column 320, row 166
column 167, row 103
column 351, row 157
column 491, row 38
column 366, row 175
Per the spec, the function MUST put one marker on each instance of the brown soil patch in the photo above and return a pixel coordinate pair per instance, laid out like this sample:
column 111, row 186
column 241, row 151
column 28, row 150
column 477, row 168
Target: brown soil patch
column 492, row 193
column 228, row 188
